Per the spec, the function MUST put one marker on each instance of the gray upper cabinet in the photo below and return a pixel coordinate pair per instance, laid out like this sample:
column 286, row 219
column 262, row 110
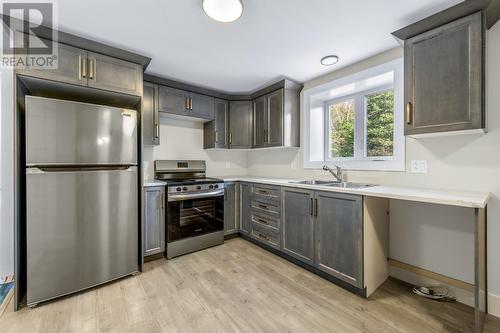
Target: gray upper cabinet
column 298, row 224
column 339, row 236
column 72, row 63
column 154, row 221
column 80, row 67
column 259, row 122
column 444, row 78
column 216, row 132
column 150, row 116
column 240, row 124
column 173, row 100
column 275, row 109
column 231, row 221
column 201, row 106
column 113, row 74
column 245, row 208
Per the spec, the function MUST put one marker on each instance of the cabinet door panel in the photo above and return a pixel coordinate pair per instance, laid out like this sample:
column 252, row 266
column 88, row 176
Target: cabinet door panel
column 70, row 66
column 113, row 74
column 245, row 211
column 231, row 224
column 150, row 116
column 202, row 106
column 298, row 224
column 154, row 221
column 240, row 118
column 443, row 78
column 339, row 236
column 221, row 123
column 275, row 119
column 259, row 122
column 172, row 100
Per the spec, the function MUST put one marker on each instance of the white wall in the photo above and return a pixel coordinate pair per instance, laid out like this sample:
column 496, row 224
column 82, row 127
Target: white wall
column 182, row 139
column 435, row 238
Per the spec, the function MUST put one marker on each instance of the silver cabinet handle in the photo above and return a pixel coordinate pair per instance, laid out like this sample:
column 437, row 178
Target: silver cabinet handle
column 157, row 131
column 311, row 207
column 230, row 137
column 216, row 137
column 316, row 208
column 186, row 103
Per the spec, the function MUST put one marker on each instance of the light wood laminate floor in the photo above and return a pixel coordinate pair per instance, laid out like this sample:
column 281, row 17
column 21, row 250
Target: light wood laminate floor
column 239, row 287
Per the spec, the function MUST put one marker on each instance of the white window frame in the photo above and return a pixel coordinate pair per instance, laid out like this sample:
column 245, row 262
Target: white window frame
column 317, row 97
column 360, row 126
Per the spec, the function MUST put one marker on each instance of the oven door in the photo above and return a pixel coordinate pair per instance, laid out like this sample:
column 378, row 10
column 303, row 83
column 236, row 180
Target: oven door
column 191, row 215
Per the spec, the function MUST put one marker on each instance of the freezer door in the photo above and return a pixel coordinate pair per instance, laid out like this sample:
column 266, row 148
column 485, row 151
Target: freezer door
column 73, row 133
column 82, row 229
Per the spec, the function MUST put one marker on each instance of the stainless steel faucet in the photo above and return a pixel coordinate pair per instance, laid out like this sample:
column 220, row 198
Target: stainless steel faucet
column 337, row 174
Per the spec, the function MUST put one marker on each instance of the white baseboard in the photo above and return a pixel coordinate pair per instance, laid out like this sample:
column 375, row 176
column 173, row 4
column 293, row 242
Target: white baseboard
column 462, row 295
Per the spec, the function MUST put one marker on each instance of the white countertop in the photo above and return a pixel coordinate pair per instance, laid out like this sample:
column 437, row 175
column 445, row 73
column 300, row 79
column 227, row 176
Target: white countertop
column 153, row 182
column 443, row 197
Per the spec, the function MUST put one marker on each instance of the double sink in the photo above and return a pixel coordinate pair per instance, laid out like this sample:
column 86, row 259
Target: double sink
column 331, row 183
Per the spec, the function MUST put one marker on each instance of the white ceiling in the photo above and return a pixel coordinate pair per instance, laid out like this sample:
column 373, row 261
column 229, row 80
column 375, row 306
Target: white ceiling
column 273, row 38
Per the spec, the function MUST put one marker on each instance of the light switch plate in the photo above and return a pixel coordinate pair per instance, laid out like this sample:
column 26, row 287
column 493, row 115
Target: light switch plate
column 228, row 165
column 293, row 165
column 419, row 166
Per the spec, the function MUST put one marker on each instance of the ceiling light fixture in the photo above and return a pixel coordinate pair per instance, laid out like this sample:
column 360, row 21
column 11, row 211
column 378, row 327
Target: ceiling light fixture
column 224, row 11
column 329, row 60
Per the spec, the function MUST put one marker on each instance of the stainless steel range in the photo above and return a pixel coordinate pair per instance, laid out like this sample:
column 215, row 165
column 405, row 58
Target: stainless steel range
column 195, row 206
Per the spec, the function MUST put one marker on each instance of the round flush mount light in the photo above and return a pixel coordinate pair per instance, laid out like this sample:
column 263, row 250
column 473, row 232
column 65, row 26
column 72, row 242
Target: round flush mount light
column 329, row 60
column 224, row 11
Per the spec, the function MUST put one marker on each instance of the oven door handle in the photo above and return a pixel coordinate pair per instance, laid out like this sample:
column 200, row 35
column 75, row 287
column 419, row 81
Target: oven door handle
column 180, row 197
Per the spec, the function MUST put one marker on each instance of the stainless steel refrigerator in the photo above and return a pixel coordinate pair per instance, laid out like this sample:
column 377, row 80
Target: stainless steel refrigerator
column 81, row 196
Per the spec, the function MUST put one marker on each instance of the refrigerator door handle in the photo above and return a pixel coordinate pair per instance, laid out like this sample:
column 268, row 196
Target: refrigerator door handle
column 47, row 169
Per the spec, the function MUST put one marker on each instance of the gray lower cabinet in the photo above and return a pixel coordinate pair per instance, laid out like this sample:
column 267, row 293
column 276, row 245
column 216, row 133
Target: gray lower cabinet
column 201, row 106
column 240, row 124
column 150, row 115
column 113, row 74
column 216, row 132
column 174, row 101
column 298, row 224
column 245, row 208
column 231, row 208
column 339, row 236
column 154, row 221
column 444, row 78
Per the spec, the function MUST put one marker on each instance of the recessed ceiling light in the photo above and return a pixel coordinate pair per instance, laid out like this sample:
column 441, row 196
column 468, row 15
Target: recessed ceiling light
column 329, row 60
column 224, row 11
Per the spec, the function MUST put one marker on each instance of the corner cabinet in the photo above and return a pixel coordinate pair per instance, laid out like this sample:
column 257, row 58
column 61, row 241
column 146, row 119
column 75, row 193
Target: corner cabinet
column 216, row 132
column 444, row 78
column 154, row 221
column 245, row 208
column 150, row 115
column 240, row 124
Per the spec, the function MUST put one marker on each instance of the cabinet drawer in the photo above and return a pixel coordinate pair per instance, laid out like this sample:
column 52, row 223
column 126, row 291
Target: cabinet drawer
column 266, row 191
column 264, row 220
column 270, row 207
column 266, row 235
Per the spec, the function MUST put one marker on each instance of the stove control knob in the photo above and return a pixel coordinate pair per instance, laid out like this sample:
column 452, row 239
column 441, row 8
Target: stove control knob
column 178, row 189
column 216, row 186
column 184, row 188
column 211, row 187
column 198, row 187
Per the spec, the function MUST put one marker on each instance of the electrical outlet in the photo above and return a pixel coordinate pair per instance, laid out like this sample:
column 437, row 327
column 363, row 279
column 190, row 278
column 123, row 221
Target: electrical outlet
column 419, row 166
column 228, row 165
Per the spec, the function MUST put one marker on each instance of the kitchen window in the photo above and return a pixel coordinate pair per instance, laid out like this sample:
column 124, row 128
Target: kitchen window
column 356, row 122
